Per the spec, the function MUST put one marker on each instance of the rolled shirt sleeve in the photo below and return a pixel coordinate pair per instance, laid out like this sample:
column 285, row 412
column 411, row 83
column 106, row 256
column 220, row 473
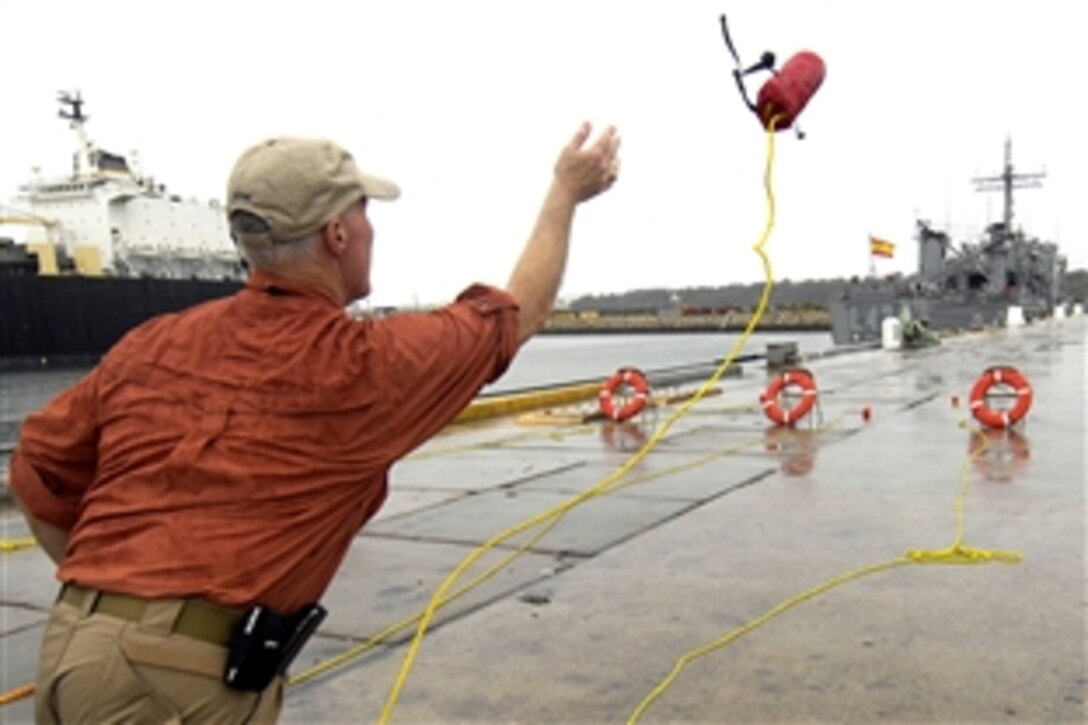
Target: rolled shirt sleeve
column 56, row 459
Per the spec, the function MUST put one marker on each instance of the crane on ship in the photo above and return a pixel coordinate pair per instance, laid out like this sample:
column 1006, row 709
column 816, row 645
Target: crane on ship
column 12, row 216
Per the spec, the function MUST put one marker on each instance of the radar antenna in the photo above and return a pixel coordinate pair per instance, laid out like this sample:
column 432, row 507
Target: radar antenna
column 1008, row 181
column 72, row 106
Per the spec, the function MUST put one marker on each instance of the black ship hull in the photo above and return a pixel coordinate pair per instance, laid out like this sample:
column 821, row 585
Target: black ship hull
column 67, row 320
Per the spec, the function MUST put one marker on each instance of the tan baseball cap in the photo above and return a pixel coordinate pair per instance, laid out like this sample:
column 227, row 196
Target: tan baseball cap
column 295, row 185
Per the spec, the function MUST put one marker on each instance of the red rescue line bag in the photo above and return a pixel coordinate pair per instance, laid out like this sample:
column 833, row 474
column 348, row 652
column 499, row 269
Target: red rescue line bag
column 787, row 93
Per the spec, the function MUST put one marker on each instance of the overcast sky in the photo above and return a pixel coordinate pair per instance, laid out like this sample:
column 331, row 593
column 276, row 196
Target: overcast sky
column 466, row 105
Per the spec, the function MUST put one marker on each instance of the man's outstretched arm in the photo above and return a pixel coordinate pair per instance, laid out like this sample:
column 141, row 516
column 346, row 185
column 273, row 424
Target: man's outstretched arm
column 580, row 174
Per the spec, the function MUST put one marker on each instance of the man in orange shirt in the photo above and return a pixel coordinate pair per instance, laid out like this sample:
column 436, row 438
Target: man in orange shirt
column 199, row 488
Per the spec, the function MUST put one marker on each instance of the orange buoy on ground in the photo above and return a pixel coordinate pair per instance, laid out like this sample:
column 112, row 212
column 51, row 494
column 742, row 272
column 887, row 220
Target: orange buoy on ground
column 796, row 377
column 625, row 378
column 1008, row 377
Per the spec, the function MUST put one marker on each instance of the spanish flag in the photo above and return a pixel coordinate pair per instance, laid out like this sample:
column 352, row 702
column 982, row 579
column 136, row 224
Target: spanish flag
column 880, row 247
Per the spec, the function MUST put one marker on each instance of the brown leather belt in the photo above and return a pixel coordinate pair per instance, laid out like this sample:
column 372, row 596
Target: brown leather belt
column 198, row 619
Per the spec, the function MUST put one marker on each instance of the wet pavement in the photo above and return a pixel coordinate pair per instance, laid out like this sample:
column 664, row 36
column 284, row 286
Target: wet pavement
column 723, row 520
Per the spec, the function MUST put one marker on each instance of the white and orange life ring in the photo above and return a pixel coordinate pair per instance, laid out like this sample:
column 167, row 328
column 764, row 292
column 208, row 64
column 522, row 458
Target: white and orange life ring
column 1001, row 375
column 629, row 378
column 797, row 377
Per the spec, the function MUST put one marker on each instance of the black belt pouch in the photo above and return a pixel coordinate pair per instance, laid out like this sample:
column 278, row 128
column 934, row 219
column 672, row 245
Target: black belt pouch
column 264, row 643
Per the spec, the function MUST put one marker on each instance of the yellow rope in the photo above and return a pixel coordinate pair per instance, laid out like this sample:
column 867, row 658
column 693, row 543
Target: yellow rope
column 753, row 624
column 956, row 553
column 363, row 647
column 8, row 545
column 17, row 543
column 17, row 694
column 407, row 622
column 607, row 482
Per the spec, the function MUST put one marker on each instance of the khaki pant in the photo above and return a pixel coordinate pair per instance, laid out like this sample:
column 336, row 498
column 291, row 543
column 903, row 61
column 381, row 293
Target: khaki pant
column 98, row 668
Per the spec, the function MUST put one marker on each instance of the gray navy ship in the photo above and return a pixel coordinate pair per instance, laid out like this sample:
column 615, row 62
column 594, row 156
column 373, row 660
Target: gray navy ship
column 1006, row 277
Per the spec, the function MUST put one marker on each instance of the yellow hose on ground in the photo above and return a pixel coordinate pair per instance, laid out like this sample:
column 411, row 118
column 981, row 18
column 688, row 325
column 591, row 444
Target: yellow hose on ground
column 955, row 553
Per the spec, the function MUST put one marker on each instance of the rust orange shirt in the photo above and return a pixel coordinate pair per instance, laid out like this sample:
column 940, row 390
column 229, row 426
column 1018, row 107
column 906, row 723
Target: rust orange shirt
column 233, row 450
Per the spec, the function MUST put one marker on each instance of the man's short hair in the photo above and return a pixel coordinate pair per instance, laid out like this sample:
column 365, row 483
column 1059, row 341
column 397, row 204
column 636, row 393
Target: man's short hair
column 242, row 223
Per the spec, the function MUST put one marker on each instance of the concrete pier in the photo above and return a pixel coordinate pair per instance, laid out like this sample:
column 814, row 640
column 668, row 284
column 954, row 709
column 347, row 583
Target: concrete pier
column 725, row 518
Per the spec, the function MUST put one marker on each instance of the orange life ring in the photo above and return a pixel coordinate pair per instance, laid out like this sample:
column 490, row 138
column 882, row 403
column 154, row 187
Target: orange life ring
column 628, row 377
column 1001, row 375
column 798, row 377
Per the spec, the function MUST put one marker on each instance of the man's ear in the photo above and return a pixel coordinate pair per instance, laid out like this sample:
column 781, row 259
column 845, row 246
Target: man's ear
column 334, row 237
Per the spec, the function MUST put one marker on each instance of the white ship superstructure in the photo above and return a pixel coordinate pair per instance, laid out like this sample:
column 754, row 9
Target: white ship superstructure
column 108, row 219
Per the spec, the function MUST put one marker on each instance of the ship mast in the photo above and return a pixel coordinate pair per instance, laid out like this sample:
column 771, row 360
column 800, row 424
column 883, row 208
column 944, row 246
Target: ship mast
column 1008, row 181
column 72, row 111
